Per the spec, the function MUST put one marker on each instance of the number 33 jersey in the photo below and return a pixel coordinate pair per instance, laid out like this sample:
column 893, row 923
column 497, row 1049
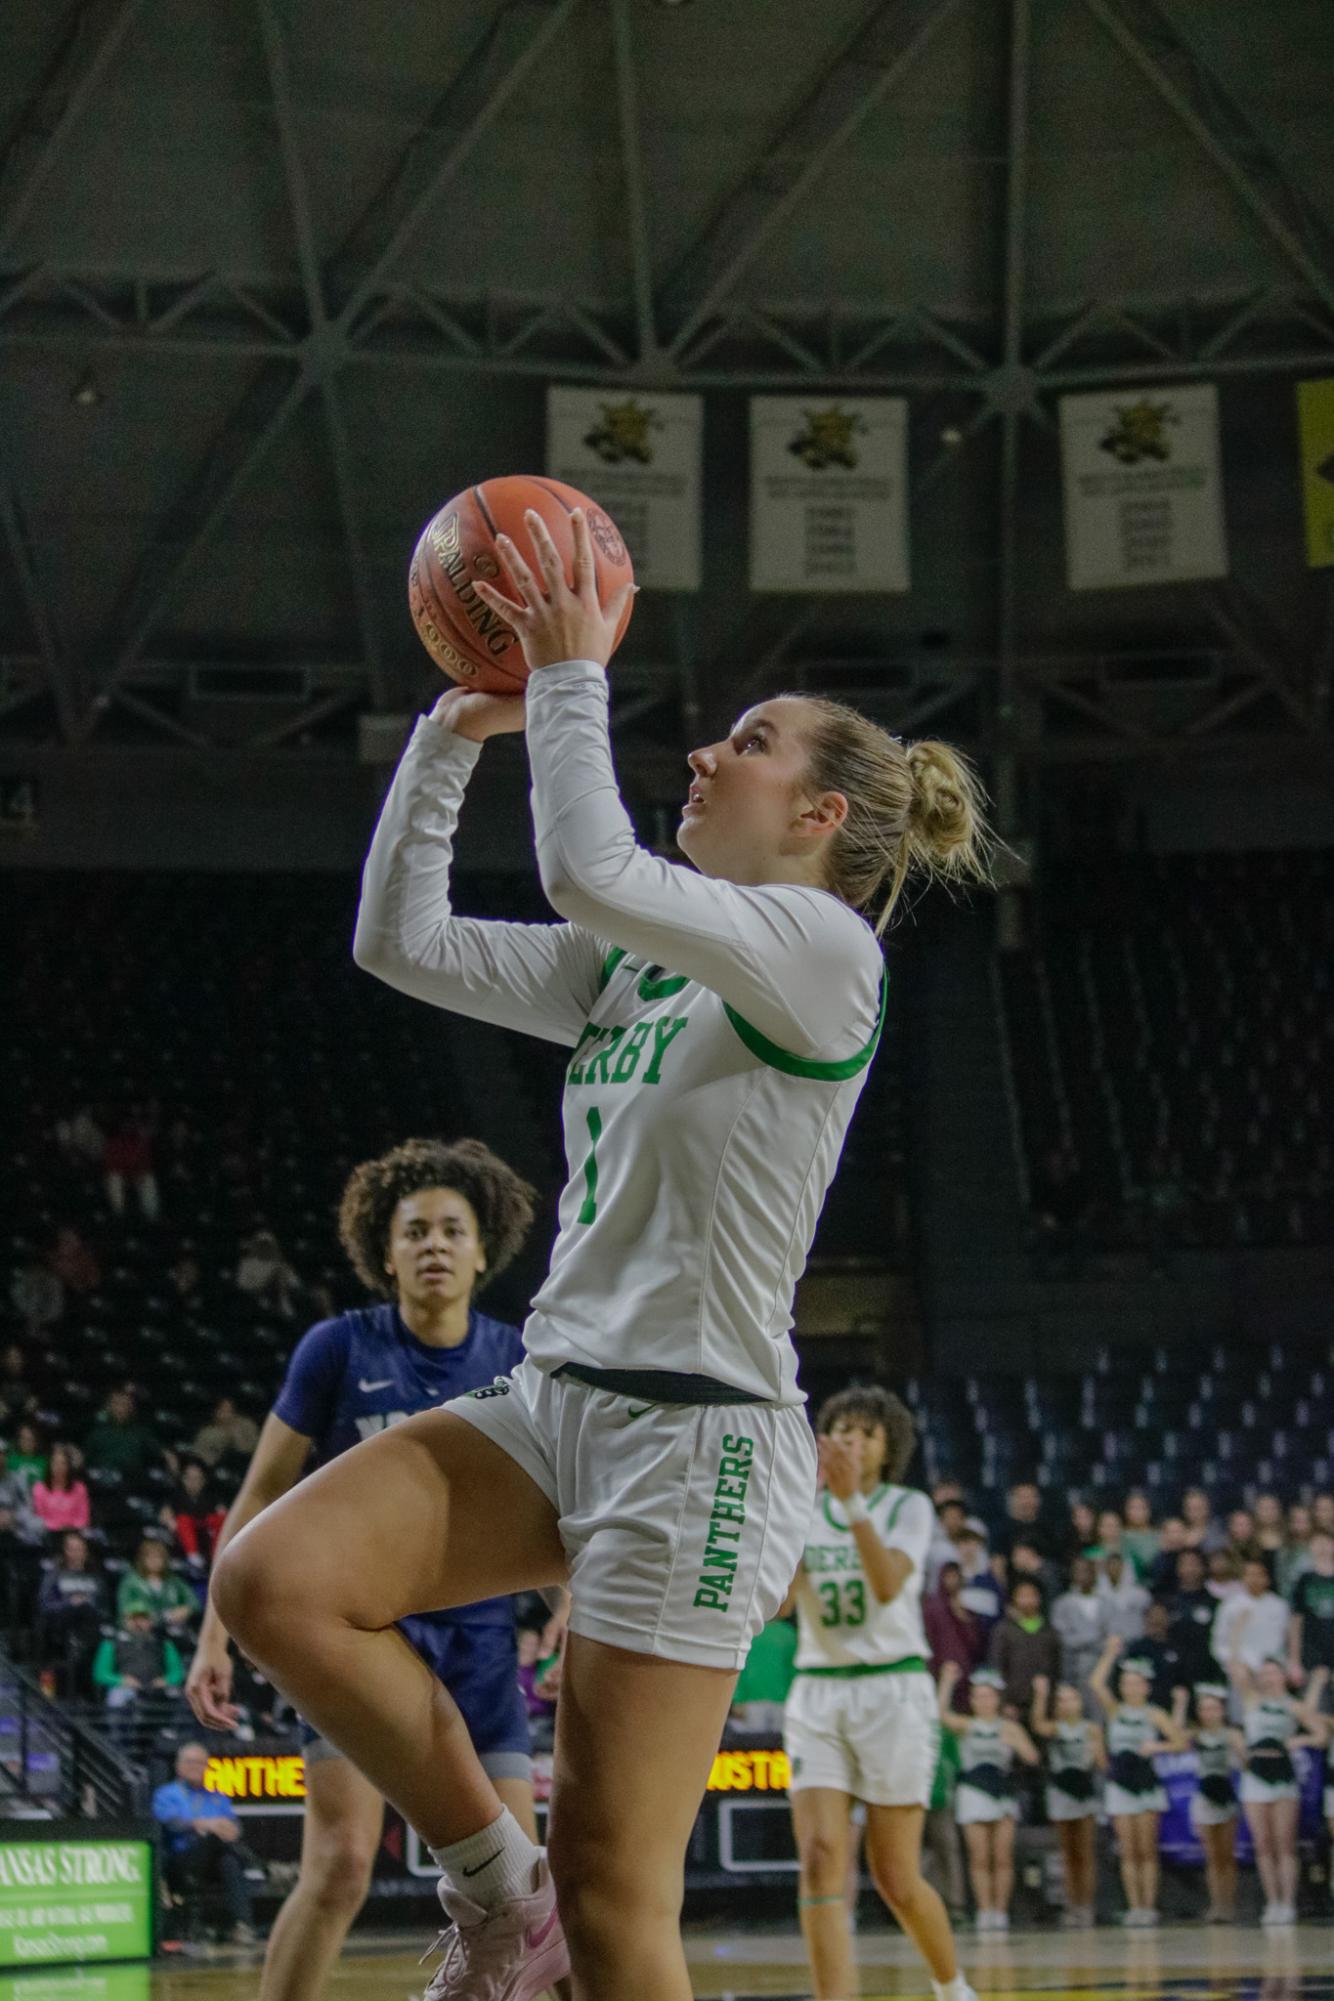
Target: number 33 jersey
column 842, row 1625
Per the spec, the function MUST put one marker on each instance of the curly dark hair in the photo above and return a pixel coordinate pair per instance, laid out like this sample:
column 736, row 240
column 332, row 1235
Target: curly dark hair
column 501, row 1200
column 873, row 1405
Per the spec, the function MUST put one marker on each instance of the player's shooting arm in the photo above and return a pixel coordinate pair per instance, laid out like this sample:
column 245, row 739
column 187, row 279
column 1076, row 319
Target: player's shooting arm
column 887, row 1570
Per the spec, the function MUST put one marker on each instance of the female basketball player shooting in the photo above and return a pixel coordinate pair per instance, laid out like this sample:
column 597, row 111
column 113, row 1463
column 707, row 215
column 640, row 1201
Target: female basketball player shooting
column 428, row 1224
column 652, row 1448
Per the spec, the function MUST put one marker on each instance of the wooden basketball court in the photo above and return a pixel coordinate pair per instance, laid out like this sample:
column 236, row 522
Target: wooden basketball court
column 1223, row 1964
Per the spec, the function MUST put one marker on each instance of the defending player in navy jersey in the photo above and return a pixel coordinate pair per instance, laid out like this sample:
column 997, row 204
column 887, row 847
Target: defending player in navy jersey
column 428, row 1223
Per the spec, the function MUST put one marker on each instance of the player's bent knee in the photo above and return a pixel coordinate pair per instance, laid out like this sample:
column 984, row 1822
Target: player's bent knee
column 898, row 1882
column 339, row 1877
column 253, row 1597
column 824, row 1865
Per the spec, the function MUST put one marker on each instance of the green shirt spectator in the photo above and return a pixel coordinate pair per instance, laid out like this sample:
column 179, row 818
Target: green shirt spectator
column 27, row 1460
column 152, row 1586
column 118, row 1443
column 141, row 1656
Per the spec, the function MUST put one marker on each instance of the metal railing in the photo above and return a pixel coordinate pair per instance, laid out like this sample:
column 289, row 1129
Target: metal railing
column 51, row 1762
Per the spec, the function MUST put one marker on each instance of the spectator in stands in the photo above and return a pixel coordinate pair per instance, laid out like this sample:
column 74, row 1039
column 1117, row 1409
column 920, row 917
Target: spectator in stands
column 1251, row 1626
column 1192, row 1609
column 1322, row 1512
column 195, row 1517
column 21, row 1539
column 1081, row 1532
column 1022, row 1521
column 152, row 1586
column 1242, row 1543
column 1110, row 1531
column 37, row 1297
column 74, row 1262
column 28, row 1458
column 19, row 1394
column 127, row 1163
column 266, row 1277
column 81, row 1140
column 60, row 1501
column 1295, row 1555
column 1202, row 1531
column 1311, row 1631
column 185, row 1276
column 1140, row 1540
column 1162, row 1577
column 1270, row 1531
column 953, row 1631
column 1159, row 1649
column 70, row 1607
column 981, row 1592
column 1024, row 1645
column 227, row 1432
column 119, row 1443
column 1080, row 1621
column 135, row 1662
column 200, row 1837
column 1224, row 1575
column 1027, row 1560
column 951, row 1521
column 1124, row 1597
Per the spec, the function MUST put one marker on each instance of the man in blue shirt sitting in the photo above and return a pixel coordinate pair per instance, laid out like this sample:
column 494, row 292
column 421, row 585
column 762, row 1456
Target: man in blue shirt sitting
column 200, row 1836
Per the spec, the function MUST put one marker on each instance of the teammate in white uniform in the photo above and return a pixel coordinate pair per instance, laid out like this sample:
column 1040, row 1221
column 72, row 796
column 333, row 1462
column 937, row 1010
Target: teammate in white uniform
column 652, row 1451
column 861, row 1716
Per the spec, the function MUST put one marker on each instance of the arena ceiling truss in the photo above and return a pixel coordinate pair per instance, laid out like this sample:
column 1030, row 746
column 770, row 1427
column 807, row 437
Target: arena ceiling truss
column 279, row 350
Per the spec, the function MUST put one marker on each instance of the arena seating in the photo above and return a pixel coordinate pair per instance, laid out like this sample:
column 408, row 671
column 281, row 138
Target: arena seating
column 1172, row 1022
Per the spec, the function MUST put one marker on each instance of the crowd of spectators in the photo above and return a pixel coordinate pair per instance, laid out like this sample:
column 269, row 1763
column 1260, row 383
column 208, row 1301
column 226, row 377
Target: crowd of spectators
column 1040, row 1590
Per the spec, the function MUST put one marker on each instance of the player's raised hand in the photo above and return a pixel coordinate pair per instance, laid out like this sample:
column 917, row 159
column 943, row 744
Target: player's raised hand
column 475, row 716
column 556, row 619
column 840, row 1466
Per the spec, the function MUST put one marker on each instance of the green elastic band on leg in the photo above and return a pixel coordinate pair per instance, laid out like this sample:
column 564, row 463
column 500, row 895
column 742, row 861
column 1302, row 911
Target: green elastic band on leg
column 804, row 1903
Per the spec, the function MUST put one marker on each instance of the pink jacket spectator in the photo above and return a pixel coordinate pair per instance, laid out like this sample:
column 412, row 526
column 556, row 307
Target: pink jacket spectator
column 61, row 1507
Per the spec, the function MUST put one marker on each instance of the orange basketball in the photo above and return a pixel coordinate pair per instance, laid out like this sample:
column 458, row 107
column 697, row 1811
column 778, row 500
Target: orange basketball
column 458, row 545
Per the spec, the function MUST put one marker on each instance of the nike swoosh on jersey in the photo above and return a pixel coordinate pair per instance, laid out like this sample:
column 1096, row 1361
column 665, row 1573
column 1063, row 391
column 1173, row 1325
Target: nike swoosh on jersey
column 367, row 1388
column 632, row 1414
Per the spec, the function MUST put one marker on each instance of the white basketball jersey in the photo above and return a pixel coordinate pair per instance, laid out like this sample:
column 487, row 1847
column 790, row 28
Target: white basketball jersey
column 720, row 1033
column 841, row 1623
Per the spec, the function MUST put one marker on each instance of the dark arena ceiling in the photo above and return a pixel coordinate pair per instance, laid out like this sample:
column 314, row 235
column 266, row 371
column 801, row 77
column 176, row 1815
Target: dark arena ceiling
column 276, row 279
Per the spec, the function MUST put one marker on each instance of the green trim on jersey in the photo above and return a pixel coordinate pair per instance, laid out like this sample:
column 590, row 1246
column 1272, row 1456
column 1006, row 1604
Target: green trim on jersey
column 804, row 1066
column 609, row 965
column 910, row 1664
column 872, row 1501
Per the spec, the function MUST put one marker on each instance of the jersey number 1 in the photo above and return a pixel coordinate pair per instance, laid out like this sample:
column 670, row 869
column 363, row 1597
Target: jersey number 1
column 589, row 1207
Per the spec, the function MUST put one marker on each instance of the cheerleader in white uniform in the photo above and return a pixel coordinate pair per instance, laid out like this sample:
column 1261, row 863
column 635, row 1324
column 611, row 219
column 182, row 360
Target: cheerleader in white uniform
column 1213, row 1807
column 1076, row 1755
column 1134, row 1798
column 984, row 1803
column 1274, row 1725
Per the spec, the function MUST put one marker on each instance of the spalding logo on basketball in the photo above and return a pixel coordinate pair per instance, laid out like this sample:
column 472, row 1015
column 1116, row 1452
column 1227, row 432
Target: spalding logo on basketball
column 469, row 641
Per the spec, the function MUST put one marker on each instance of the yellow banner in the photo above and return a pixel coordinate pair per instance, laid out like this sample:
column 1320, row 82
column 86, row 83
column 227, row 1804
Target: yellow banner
column 1315, row 424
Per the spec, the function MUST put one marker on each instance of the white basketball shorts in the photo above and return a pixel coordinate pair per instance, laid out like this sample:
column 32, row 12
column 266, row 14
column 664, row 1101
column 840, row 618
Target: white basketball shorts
column 684, row 1523
column 875, row 1737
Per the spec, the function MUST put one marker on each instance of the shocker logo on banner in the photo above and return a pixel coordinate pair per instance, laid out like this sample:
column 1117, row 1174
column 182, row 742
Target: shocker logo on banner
column 1140, row 432
column 622, row 432
column 828, row 439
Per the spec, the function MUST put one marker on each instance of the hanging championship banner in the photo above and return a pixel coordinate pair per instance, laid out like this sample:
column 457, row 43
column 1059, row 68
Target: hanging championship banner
column 828, row 483
column 1315, row 424
column 1143, row 487
column 638, row 456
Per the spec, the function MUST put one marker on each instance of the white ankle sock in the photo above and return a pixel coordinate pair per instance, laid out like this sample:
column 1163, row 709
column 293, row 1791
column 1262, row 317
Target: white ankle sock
column 491, row 1866
column 950, row 1990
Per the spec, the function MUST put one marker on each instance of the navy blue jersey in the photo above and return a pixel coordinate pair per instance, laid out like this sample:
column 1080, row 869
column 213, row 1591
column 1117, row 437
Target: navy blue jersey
column 350, row 1377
